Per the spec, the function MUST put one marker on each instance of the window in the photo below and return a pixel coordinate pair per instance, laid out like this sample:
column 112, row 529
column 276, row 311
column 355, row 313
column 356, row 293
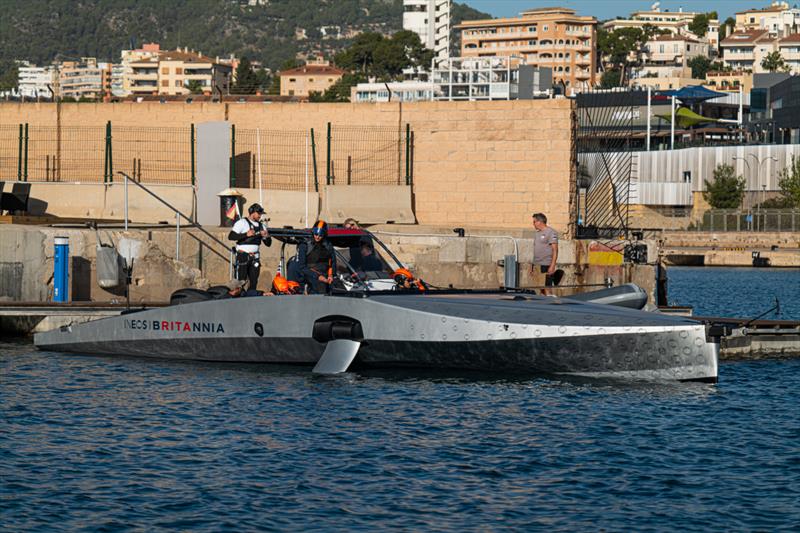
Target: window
column 687, row 176
column 292, row 80
column 544, row 28
column 330, row 80
column 178, row 83
column 165, row 70
column 165, row 83
column 310, row 80
column 178, row 70
column 291, row 92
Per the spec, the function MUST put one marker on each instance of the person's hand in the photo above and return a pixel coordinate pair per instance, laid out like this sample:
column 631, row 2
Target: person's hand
column 264, row 233
column 323, row 279
column 551, row 270
column 329, row 280
column 250, row 232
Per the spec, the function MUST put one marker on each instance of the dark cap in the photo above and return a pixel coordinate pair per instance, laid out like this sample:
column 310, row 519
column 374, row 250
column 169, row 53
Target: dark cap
column 255, row 208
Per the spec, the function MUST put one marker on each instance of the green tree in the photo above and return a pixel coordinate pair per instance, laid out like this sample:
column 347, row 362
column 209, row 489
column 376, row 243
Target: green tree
column 195, row 86
column 624, row 48
column 610, row 79
column 789, row 182
column 727, row 189
column 699, row 24
column 9, row 72
column 773, row 62
column 700, row 65
column 246, row 79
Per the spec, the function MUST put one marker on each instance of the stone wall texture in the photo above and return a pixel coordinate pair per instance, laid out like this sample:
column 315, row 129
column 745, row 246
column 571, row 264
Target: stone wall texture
column 488, row 164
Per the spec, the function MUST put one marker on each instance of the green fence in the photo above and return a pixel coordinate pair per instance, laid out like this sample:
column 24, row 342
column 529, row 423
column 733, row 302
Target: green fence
column 288, row 160
column 281, row 159
column 749, row 221
column 368, row 155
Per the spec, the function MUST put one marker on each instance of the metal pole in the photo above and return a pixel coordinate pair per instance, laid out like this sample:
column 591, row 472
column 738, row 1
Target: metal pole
column 741, row 113
column 408, row 152
column 191, row 149
column 672, row 124
column 649, row 111
column 19, row 158
column 111, row 155
column 25, row 169
column 306, row 182
column 258, row 154
column 125, row 188
column 328, row 171
column 233, row 156
column 177, row 237
column 314, row 160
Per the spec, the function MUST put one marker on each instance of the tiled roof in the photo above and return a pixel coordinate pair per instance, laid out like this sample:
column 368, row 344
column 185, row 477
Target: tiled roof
column 309, row 70
column 793, row 38
column 745, row 37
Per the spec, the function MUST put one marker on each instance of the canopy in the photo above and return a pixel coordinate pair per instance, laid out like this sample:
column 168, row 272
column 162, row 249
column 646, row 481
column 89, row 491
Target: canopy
column 686, row 118
column 693, row 94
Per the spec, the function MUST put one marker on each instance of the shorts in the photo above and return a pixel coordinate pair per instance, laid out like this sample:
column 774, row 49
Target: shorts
column 548, row 279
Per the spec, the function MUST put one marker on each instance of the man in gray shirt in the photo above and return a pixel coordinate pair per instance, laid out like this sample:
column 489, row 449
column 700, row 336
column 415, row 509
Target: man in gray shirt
column 545, row 249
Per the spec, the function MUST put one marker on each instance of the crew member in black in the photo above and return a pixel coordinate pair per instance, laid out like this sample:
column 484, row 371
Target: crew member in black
column 249, row 233
column 317, row 260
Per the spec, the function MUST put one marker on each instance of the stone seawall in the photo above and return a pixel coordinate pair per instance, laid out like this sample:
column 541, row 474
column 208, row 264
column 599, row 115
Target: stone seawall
column 434, row 253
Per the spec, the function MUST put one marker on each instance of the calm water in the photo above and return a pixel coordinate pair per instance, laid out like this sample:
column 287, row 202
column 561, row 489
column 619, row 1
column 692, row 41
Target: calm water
column 738, row 292
column 97, row 443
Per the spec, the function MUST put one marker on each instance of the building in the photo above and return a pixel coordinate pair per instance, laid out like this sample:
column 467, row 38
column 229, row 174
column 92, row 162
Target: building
column 789, row 48
column 666, row 82
column 177, row 72
column 674, row 22
column 490, row 78
column 147, row 51
column 778, row 19
column 668, row 55
column 315, row 76
column 84, row 79
column 731, row 82
column 406, row 91
column 745, row 50
column 430, row 19
column 555, row 38
column 36, row 82
column 775, row 109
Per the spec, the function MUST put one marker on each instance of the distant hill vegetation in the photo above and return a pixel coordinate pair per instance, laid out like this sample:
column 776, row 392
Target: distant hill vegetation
column 271, row 32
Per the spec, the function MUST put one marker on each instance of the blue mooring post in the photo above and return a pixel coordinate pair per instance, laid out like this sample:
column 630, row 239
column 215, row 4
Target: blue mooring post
column 61, row 270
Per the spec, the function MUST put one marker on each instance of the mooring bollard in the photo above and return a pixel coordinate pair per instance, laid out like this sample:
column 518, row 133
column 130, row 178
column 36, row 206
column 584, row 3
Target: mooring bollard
column 61, row 270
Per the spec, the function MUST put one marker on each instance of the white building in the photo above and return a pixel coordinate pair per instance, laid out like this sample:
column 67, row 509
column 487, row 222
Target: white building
column 34, row 81
column 430, row 19
column 490, row 78
column 406, row 91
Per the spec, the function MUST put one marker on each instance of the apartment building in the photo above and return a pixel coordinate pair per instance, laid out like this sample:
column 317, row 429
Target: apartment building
column 779, row 19
column 430, row 19
column 555, row 38
column 668, row 55
column 406, row 91
column 146, row 52
column 86, row 79
column 745, row 50
column 178, row 72
column 315, row 76
column 731, row 82
column 675, row 22
column 789, row 47
column 36, row 82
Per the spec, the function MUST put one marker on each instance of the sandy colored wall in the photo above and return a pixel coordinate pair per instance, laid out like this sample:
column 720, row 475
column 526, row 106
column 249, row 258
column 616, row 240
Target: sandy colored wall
column 476, row 163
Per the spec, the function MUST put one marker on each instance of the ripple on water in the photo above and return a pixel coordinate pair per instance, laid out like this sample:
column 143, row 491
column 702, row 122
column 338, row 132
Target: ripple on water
column 104, row 443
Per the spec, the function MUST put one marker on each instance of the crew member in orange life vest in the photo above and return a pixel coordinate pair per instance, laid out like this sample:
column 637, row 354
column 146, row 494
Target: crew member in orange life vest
column 249, row 233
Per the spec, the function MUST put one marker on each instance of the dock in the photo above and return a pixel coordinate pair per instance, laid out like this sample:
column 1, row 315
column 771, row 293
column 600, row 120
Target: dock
column 27, row 318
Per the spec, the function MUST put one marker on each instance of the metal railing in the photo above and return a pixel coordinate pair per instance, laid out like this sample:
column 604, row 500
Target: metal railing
column 273, row 159
column 178, row 216
column 756, row 220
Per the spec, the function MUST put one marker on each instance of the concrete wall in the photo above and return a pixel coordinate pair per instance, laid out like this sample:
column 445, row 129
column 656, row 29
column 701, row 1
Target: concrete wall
column 435, row 254
column 487, row 164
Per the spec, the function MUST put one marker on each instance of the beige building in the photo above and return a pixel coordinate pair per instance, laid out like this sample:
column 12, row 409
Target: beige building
column 789, row 47
column 729, row 81
column 315, row 77
column 547, row 37
column 666, row 83
column 745, row 50
column 675, row 22
column 86, row 79
column 778, row 18
column 668, row 55
column 177, row 73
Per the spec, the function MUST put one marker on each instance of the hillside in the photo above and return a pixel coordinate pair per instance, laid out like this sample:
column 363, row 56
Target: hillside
column 45, row 30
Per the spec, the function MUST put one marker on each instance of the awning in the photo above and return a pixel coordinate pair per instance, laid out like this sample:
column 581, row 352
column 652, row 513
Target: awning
column 693, row 94
column 686, row 118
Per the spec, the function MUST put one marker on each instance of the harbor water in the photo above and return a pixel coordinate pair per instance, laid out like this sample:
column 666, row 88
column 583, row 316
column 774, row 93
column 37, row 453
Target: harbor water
column 104, row 443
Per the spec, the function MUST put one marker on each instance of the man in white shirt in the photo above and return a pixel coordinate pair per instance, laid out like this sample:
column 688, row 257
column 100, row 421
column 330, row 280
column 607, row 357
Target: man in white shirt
column 249, row 233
